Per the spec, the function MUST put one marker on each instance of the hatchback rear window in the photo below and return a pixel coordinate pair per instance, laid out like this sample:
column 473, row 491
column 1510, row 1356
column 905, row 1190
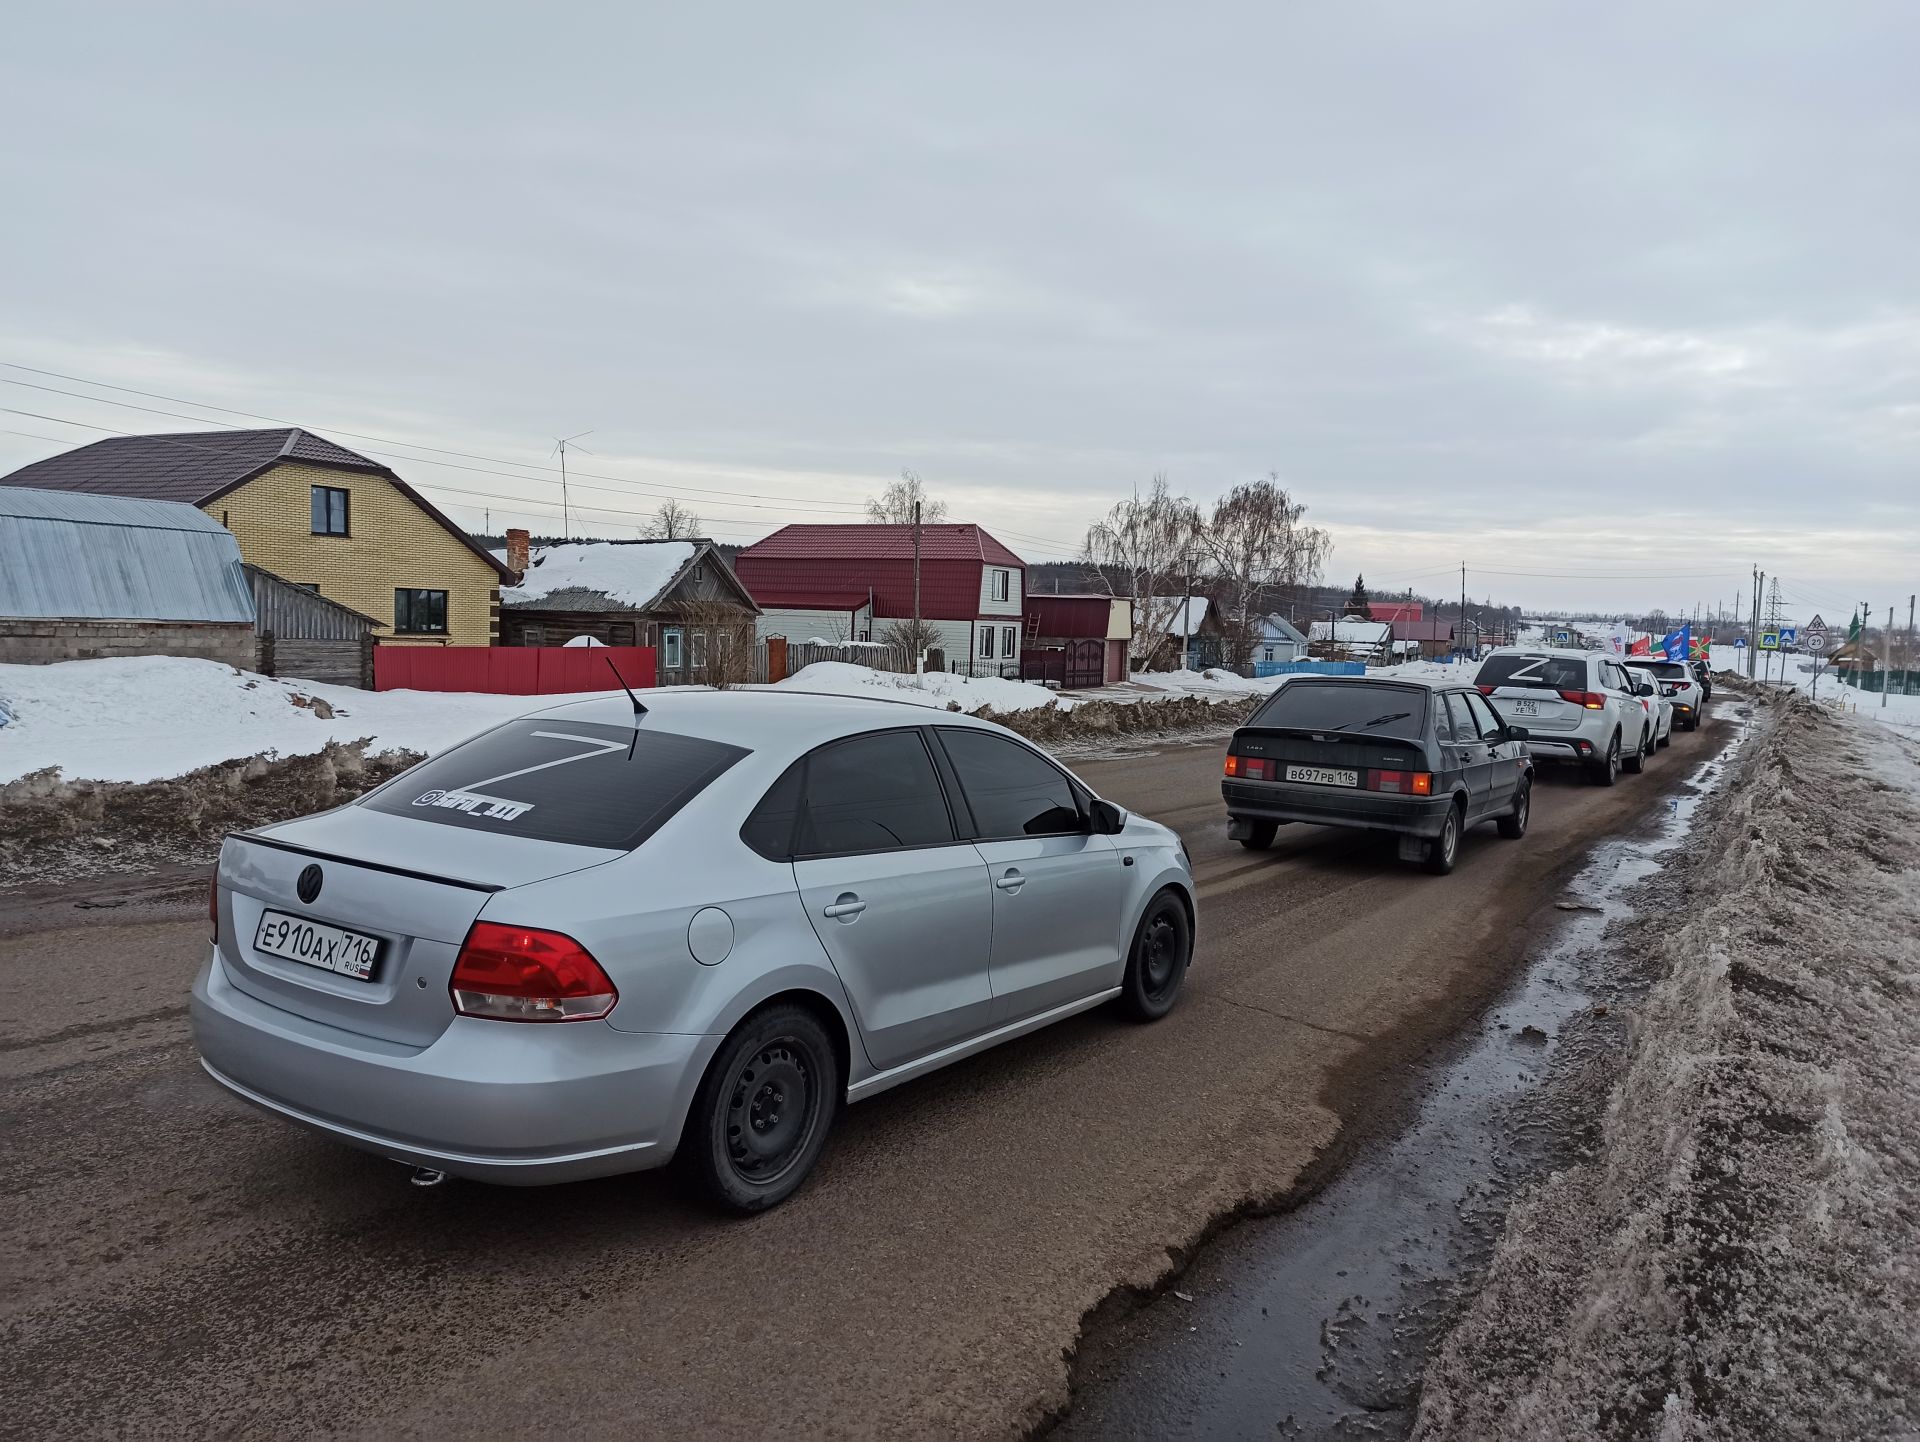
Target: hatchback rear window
column 551, row 779
column 1544, row 673
column 1351, row 706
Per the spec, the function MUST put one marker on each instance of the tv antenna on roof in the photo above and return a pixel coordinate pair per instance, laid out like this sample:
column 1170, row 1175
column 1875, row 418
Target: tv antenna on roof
column 560, row 445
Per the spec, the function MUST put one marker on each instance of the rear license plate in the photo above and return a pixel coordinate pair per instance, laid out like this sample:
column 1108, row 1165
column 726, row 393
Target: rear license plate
column 331, row 948
column 1323, row 776
column 1523, row 708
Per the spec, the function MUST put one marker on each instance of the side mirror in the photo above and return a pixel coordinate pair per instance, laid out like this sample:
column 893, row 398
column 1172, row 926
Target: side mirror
column 1645, row 688
column 1516, row 733
column 1107, row 819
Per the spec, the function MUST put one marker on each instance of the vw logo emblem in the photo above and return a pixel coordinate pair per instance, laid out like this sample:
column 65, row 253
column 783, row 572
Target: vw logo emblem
column 308, row 886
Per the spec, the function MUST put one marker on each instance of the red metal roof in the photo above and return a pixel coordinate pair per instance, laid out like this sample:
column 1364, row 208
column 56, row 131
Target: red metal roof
column 811, row 600
column 882, row 542
column 1396, row 610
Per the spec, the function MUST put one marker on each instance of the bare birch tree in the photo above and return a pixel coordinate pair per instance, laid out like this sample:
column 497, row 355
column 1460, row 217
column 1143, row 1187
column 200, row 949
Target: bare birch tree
column 1149, row 541
column 895, row 504
column 1256, row 540
column 673, row 522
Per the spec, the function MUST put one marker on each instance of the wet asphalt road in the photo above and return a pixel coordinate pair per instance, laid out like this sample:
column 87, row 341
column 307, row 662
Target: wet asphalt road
column 174, row 1264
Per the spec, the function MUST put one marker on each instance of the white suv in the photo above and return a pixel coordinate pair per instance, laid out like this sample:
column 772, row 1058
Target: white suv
column 1679, row 685
column 1575, row 705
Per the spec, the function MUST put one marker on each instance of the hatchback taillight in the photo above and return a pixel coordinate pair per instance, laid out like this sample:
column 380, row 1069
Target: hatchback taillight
column 518, row 973
column 1592, row 700
column 1250, row 768
column 1401, row 783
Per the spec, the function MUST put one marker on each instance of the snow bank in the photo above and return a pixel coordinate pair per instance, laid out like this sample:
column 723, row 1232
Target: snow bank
column 142, row 718
column 937, row 688
column 1737, row 1259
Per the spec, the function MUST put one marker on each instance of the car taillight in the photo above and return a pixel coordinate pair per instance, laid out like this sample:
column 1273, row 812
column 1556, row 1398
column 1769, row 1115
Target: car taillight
column 1484, row 690
column 1592, row 700
column 516, row 973
column 1401, row 783
column 1249, row 768
column 213, row 907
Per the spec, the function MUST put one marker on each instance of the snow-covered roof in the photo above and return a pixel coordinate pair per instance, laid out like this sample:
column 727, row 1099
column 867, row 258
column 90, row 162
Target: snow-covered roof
column 1274, row 625
column 1352, row 632
column 627, row 573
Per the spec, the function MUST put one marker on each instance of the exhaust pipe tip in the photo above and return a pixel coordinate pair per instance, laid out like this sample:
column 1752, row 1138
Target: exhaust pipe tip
column 426, row 1177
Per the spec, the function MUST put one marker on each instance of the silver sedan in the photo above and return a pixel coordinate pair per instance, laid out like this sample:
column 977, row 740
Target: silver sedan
column 603, row 937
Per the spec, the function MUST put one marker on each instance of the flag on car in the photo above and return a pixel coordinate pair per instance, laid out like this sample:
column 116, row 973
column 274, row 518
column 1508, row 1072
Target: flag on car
column 1642, row 646
column 1678, row 645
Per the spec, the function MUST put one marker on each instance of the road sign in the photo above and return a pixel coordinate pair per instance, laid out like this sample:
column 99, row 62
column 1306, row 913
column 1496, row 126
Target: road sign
column 1563, row 638
column 1789, row 635
column 1817, row 641
column 1740, row 643
column 1769, row 640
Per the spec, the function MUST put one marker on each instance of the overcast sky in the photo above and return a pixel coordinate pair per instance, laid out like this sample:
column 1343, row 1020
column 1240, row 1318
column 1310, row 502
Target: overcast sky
column 1623, row 293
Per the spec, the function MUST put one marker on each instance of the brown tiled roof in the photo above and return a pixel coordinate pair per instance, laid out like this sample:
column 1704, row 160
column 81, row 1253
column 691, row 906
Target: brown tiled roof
column 198, row 466
column 945, row 541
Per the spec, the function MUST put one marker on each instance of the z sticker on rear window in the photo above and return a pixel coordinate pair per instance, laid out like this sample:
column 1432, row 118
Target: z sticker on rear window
column 473, row 799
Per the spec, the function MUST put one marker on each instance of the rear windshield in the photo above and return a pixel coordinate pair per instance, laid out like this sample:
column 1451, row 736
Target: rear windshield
column 1666, row 670
column 1353, row 706
column 1545, row 673
column 551, row 779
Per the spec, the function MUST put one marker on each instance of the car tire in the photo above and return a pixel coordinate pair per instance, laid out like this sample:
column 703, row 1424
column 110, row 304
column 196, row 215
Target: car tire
column 1158, row 959
column 1444, row 849
column 1637, row 762
column 1513, row 825
column 1667, row 740
column 749, row 1140
column 1262, row 837
column 1606, row 771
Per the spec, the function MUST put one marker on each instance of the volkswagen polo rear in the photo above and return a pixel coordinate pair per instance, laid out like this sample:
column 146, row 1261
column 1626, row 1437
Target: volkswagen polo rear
column 377, row 974
column 1555, row 696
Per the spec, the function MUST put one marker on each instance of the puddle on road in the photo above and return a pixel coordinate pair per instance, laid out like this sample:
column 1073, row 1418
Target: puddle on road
column 1317, row 1323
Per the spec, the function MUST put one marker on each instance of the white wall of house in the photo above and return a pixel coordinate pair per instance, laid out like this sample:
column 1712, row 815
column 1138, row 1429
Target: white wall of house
column 798, row 624
column 991, row 579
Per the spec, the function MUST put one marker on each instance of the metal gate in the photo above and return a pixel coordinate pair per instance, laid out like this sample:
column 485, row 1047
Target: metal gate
column 1072, row 667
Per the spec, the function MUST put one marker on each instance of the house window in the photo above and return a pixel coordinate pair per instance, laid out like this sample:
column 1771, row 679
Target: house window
column 420, row 613
column 1267, row 654
column 329, row 506
column 313, row 586
column 699, row 650
column 620, row 633
column 1001, row 582
column 670, row 650
column 1009, row 642
column 699, row 573
column 986, row 643
column 533, row 635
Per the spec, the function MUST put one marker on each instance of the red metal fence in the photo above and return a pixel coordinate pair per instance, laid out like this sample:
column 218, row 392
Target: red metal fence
column 511, row 670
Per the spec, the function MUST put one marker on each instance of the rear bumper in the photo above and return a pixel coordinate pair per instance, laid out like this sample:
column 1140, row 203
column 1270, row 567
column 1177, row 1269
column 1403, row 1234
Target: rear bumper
column 518, row 1103
column 1334, row 806
column 1571, row 747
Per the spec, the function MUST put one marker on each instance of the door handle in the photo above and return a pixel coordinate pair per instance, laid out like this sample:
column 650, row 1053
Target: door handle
column 1012, row 881
column 845, row 907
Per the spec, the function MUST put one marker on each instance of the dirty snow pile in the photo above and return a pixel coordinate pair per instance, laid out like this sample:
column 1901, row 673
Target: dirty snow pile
column 976, row 693
column 1740, row 1257
column 142, row 718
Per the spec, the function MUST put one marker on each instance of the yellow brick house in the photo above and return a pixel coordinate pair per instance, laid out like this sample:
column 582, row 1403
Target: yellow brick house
column 313, row 513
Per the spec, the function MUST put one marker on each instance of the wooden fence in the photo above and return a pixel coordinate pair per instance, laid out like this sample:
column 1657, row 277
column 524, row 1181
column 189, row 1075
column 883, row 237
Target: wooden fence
column 511, row 670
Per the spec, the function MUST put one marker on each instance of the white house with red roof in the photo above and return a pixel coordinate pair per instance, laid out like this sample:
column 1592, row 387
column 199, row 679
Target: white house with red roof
column 851, row 582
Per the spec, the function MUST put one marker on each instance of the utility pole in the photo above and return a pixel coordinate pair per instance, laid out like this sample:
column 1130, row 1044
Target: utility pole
column 1886, row 676
column 560, row 445
column 1462, row 637
column 919, row 646
column 1186, row 618
column 1906, row 676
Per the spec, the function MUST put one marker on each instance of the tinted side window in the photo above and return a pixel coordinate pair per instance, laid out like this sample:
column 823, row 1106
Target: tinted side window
column 872, row 793
column 1442, row 723
column 1012, row 792
column 1490, row 724
column 770, row 829
column 1463, row 725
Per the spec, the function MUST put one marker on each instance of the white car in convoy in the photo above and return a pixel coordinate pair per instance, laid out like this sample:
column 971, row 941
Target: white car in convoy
column 1660, row 703
column 1580, row 706
column 1679, row 687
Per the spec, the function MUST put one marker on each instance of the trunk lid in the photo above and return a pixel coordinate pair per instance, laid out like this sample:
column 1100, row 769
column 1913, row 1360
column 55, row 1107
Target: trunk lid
column 1282, row 745
column 415, row 887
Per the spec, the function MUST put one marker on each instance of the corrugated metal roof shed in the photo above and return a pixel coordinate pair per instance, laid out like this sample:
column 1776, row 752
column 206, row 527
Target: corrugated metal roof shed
column 88, row 557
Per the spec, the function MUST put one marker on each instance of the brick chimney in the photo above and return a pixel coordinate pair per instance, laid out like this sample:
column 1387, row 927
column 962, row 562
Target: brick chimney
column 517, row 552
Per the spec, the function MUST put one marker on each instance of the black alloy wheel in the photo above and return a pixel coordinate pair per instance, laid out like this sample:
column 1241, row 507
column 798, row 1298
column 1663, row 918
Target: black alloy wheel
column 1157, row 962
column 763, row 1110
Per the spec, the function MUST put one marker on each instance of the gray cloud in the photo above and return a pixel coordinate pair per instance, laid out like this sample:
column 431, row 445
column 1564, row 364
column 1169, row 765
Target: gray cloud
column 1546, row 288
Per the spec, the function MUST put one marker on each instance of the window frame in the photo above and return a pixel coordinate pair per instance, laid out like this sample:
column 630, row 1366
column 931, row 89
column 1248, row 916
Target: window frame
column 1000, row 587
column 672, row 648
column 532, row 635
column 1010, row 642
column 346, row 510
column 984, row 647
column 445, row 626
column 1476, row 703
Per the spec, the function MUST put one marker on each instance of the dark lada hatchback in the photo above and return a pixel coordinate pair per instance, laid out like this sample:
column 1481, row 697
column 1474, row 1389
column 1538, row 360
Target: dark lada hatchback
column 1424, row 761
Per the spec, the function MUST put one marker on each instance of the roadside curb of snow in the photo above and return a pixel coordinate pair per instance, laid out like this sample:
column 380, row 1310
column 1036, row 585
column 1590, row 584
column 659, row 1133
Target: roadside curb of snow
column 1734, row 1259
column 1094, row 721
column 53, row 826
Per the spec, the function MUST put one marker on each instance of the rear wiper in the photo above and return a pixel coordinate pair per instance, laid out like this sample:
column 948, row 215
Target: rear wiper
column 1377, row 721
